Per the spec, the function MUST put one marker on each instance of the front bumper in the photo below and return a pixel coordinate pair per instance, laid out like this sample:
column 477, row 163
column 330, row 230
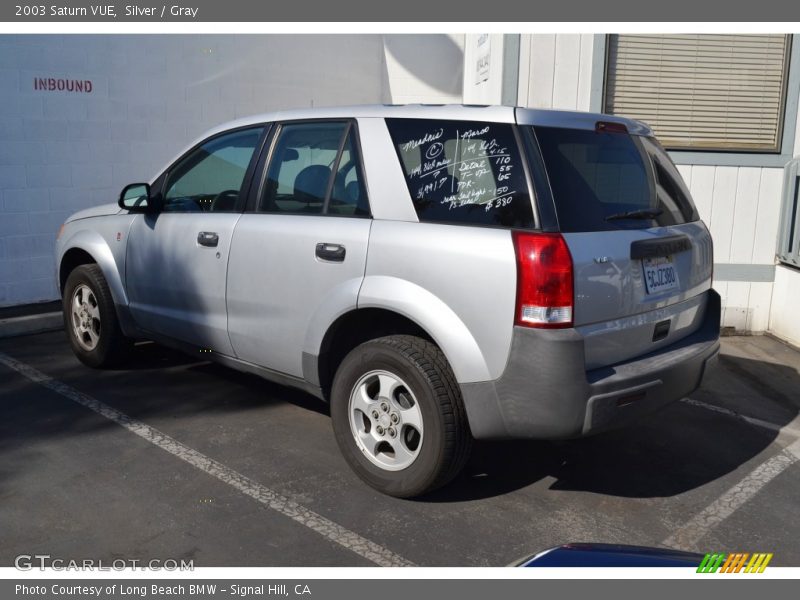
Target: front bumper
column 546, row 393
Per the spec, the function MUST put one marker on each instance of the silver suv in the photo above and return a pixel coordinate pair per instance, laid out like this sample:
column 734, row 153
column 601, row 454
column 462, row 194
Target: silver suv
column 436, row 273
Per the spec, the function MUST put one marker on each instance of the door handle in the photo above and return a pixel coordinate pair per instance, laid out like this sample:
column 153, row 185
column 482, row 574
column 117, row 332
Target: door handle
column 330, row 252
column 208, row 238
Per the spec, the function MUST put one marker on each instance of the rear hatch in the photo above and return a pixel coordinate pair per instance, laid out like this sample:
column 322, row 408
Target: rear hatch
column 642, row 258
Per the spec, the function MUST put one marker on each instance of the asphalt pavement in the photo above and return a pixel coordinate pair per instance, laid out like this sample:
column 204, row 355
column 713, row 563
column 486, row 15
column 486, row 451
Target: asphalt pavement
column 175, row 457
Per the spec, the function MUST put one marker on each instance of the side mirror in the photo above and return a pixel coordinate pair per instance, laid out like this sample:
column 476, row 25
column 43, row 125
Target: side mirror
column 136, row 198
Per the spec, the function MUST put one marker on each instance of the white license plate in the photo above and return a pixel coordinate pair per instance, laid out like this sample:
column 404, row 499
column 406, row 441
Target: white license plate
column 659, row 274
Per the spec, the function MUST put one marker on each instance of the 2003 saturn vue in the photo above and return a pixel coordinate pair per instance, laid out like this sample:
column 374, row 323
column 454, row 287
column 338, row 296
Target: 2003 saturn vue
column 437, row 273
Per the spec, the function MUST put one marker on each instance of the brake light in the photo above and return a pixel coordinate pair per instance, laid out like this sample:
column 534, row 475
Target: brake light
column 610, row 127
column 544, row 280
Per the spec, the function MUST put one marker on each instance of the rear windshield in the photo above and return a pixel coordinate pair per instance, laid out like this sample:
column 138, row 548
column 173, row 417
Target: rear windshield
column 609, row 180
column 463, row 171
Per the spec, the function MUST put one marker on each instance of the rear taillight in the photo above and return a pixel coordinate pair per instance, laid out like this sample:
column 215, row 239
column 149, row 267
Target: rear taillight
column 544, row 280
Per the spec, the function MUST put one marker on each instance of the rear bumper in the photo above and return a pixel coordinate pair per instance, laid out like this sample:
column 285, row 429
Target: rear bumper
column 546, row 393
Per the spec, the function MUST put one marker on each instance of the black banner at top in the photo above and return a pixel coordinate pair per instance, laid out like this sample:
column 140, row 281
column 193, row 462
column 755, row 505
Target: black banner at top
column 444, row 11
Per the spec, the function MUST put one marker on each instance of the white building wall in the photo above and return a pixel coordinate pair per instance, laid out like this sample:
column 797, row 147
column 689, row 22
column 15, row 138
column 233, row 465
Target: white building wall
column 488, row 88
column 61, row 152
column 741, row 206
column 556, row 71
column 784, row 319
column 423, row 69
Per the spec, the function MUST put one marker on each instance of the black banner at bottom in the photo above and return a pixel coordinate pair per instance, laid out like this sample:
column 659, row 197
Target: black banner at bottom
column 390, row 589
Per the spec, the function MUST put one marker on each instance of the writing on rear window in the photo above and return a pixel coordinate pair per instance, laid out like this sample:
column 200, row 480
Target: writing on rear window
column 463, row 171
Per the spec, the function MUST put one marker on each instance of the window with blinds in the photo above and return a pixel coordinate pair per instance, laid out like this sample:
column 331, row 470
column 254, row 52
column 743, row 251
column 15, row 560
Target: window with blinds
column 701, row 92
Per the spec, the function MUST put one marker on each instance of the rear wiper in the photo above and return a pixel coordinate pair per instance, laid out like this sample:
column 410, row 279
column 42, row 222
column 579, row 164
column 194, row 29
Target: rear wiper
column 645, row 213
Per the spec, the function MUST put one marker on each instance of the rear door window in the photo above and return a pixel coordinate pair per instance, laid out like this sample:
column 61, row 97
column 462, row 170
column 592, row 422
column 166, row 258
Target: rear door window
column 301, row 168
column 611, row 180
column 463, row 171
column 315, row 169
column 349, row 194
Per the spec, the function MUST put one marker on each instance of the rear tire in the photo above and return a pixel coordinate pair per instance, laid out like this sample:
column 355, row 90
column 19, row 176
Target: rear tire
column 90, row 319
column 398, row 416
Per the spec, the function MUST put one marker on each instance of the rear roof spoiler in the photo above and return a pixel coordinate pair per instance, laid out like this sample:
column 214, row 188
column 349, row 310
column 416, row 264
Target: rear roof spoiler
column 571, row 119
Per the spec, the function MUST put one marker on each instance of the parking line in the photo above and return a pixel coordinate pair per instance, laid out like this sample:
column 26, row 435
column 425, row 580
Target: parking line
column 688, row 536
column 791, row 428
column 326, row 528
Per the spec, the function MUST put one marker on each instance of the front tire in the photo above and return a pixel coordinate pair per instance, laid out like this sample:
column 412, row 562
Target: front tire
column 91, row 319
column 398, row 416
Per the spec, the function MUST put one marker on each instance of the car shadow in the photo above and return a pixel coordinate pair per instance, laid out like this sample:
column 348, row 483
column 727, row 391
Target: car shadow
column 680, row 448
column 248, row 391
column 263, row 389
column 154, row 382
column 149, row 355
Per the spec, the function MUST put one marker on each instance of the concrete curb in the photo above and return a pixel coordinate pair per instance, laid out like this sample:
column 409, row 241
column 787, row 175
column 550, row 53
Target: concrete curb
column 30, row 324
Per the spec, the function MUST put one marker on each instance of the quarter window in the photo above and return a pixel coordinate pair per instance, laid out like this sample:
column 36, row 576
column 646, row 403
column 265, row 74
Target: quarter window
column 210, row 178
column 463, row 171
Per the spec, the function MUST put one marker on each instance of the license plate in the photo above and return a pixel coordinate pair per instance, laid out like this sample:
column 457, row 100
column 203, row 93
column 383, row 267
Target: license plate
column 660, row 274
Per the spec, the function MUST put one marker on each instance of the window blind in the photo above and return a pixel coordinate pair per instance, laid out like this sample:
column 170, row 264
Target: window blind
column 701, row 92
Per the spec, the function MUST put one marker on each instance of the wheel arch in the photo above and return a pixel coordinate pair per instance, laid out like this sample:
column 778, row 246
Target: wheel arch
column 388, row 306
column 87, row 247
column 72, row 259
column 348, row 331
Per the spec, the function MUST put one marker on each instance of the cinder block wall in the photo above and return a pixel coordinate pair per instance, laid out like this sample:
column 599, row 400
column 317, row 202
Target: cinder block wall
column 151, row 95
